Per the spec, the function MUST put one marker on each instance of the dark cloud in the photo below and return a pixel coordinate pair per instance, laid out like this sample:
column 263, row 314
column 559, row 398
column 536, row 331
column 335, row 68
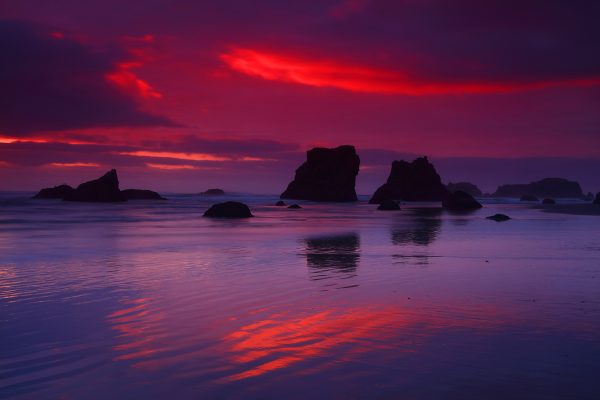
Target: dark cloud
column 52, row 83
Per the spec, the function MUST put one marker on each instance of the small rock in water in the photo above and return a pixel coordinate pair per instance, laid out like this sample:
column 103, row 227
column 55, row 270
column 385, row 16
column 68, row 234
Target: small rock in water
column 460, row 201
column 548, row 201
column 388, row 205
column 280, row 203
column 499, row 217
column 295, row 207
column 229, row 209
column 213, row 192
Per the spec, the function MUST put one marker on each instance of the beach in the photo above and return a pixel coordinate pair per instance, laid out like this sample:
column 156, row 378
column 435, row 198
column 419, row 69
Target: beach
column 329, row 301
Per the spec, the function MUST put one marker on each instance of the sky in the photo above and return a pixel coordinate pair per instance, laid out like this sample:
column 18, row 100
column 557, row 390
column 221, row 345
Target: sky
column 184, row 95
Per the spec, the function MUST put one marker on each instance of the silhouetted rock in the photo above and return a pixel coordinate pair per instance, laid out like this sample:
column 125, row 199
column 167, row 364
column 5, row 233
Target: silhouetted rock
column 529, row 197
column 499, row 217
column 388, row 205
column 213, row 192
column 295, row 207
column 597, row 199
column 140, row 194
column 466, row 187
column 229, row 209
column 280, row 203
column 326, row 175
column 56, row 192
column 549, row 187
column 103, row 190
column 415, row 181
column 460, row 201
column 548, row 201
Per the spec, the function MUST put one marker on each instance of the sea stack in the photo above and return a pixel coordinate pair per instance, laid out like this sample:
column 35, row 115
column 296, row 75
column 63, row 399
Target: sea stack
column 414, row 181
column 326, row 175
column 56, row 192
column 102, row 190
column 597, row 199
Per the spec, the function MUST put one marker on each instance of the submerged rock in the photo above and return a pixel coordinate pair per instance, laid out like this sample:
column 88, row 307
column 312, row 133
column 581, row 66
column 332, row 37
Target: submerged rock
column 597, row 199
column 213, row 192
column 295, row 207
column 529, row 197
column 415, row 181
column 103, row 190
column 388, row 205
column 466, row 187
column 548, row 201
column 548, row 187
column 460, row 201
column 326, row 175
column 229, row 209
column 499, row 217
column 56, row 192
column 141, row 194
column 280, row 203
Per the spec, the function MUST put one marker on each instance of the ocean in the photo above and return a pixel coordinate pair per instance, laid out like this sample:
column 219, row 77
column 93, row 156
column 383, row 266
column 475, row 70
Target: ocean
column 150, row 300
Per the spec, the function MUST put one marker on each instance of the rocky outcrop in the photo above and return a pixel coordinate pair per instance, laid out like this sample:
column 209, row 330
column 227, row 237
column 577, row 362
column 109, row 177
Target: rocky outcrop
column 103, row 190
column 294, row 207
column 597, row 199
column 140, row 194
column 529, row 197
column 549, row 187
column 56, row 192
column 466, row 187
column 548, row 201
column 229, row 209
column 460, row 201
column 213, row 192
column 414, row 181
column 326, row 175
column 388, row 205
column 280, row 203
column 498, row 217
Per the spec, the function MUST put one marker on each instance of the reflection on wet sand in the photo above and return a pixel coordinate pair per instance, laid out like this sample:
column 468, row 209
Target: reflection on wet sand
column 333, row 256
column 282, row 340
column 422, row 228
column 316, row 339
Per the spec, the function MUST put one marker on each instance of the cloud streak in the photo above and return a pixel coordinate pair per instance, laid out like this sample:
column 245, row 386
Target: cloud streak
column 358, row 78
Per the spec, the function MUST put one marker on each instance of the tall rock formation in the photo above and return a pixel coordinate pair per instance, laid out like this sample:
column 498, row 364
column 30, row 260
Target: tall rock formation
column 326, row 175
column 102, row 190
column 414, row 181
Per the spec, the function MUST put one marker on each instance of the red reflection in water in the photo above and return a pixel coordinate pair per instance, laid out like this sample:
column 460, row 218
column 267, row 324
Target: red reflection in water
column 136, row 325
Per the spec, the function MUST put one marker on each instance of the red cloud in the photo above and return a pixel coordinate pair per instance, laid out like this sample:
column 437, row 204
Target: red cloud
column 355, row 78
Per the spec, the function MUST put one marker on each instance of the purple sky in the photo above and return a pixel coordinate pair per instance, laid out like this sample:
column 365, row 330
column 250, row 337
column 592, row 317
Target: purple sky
column 185, row 95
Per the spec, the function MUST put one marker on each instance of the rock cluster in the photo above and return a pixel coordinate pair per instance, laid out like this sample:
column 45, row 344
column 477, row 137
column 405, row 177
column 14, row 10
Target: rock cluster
column 549, row 187
column 460, row 201
column 102, row 190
